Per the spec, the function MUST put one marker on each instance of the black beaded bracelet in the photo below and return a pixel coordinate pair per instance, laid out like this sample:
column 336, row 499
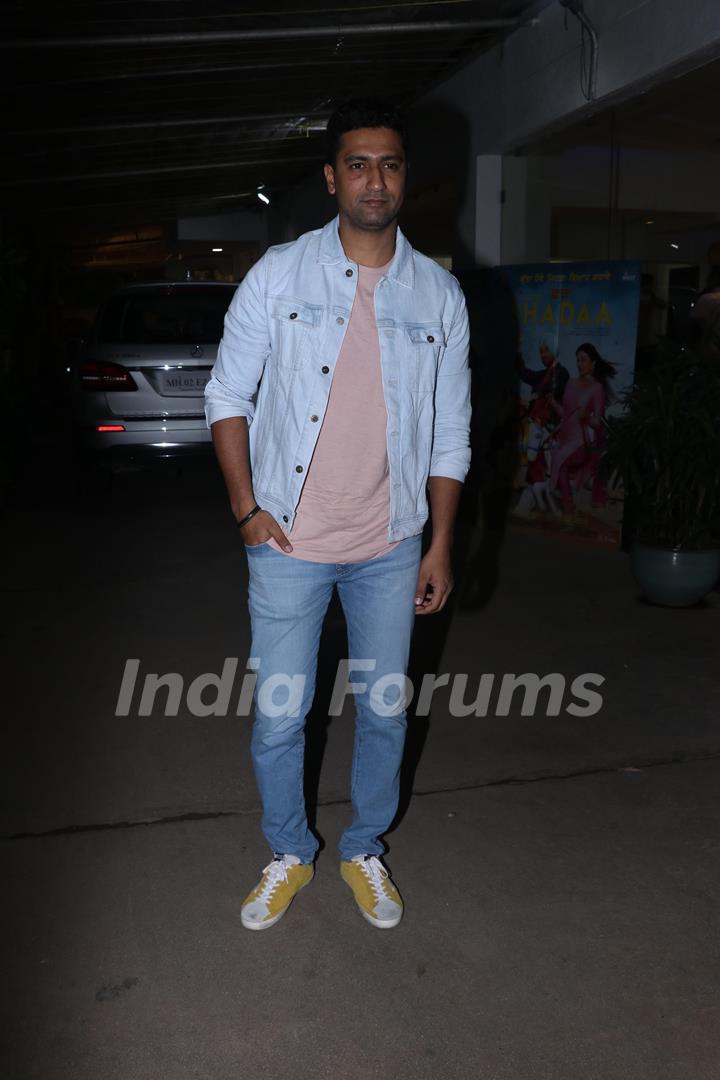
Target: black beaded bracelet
column 248, row 517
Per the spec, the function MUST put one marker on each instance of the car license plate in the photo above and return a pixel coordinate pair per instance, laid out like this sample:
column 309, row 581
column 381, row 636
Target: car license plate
column 185, row 382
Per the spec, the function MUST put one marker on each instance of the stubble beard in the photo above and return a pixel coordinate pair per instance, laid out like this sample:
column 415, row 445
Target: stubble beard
column 371, row 219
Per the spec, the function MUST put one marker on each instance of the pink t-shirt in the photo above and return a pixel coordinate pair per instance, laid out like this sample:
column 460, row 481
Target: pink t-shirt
column 344, row 507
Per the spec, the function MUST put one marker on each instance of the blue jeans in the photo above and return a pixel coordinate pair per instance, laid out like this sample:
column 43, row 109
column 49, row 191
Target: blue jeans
column 288, row 599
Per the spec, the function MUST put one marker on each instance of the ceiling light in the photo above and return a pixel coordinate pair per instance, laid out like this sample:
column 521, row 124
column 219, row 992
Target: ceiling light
column 676, row 246
column 218, row 250
column 649, row 222
column 263, row 198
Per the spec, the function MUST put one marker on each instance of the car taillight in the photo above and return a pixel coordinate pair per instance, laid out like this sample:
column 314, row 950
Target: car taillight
column 101, row 375
column 110, row 427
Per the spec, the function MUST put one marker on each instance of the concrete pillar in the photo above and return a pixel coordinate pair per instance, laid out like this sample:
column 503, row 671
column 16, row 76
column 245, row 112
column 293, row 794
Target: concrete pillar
column 512, row 216
column 488, row 209
column 513, row 240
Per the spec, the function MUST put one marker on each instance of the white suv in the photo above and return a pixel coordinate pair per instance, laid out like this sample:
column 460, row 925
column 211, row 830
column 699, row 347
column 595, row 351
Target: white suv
column 139, row 385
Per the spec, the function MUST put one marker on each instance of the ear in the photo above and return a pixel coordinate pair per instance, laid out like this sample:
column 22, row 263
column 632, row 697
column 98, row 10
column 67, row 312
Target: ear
column 329, row 174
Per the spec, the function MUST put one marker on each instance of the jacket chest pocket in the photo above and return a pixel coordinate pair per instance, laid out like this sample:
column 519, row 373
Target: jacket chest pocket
column 424, row 344
column 295, row 329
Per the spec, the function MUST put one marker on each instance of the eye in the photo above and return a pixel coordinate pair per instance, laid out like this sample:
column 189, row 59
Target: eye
column 392, row 165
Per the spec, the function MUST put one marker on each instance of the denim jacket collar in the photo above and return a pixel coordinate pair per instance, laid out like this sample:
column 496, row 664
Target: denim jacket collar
column 401, row 269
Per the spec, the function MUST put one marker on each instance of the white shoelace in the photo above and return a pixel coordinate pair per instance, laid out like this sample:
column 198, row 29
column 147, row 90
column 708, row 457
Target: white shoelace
column 276, row 872
column 377, row 876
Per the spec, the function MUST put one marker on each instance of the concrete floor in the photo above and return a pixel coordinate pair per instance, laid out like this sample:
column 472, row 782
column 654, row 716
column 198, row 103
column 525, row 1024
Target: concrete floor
column 560, row 873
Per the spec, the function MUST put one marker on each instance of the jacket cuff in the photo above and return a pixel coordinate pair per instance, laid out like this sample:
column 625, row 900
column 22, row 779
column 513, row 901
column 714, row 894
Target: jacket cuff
column 454, row 470
column 220, row 411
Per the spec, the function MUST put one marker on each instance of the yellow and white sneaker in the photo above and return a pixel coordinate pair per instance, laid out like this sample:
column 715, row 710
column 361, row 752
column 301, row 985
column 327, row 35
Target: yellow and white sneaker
column 275, row 891
column 375, row 894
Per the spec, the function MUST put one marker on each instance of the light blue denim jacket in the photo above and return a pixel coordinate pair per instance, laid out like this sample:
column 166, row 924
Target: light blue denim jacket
column 275, row 364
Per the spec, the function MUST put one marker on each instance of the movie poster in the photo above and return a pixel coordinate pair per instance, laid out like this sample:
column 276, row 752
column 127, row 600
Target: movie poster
column 577, row 326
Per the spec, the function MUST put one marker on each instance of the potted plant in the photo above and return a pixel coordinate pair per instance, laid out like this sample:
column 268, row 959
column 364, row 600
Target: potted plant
column 666, row 447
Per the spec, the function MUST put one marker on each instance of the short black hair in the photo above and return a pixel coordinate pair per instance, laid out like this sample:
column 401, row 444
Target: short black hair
column 363, row 113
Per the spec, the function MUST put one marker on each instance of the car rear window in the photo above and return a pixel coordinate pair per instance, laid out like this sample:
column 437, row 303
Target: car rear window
column 174, row 318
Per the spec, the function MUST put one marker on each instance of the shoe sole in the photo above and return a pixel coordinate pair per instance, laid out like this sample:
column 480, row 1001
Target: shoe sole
column 267, row 923
column 380, row 924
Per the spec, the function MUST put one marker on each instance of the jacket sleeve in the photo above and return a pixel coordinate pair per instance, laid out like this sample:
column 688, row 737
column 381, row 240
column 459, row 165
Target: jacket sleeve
column 451, row 433
column 243, row 350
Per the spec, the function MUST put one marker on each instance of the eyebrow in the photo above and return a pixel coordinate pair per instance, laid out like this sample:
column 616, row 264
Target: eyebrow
column 370, row 157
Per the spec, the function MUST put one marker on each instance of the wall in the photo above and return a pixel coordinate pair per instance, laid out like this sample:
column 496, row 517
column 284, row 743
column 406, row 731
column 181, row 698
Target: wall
column 243, row 235
column 650, row 181
column 245, row 226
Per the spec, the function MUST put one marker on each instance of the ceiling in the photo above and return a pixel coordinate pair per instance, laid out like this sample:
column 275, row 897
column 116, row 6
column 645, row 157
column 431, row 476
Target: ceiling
column 126, row 111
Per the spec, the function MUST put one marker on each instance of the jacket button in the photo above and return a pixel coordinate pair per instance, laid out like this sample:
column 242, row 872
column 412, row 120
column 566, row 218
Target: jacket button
column 314, row 418
column 293, row 314
column 430, row 338
column 348, row 273
column 339, row 320
column 285, row 517
column 325, row 369
column 298, row 468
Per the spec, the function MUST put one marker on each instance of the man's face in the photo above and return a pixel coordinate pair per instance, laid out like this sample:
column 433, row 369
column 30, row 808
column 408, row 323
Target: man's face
column 546, row 356
column 368, row 178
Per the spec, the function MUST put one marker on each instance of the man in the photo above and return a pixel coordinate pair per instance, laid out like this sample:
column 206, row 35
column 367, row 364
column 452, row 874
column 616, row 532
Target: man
column 340, row 393
column 548, row 384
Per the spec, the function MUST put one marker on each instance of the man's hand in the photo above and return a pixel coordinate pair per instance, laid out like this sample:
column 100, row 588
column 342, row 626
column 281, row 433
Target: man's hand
column 261, row 528
column 435, row 581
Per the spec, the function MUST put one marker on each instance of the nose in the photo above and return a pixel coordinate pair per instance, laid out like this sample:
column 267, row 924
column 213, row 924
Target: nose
column 376, row 178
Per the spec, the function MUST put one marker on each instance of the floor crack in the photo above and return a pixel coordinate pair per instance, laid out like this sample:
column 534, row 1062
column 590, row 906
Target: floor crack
column 210, row 815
